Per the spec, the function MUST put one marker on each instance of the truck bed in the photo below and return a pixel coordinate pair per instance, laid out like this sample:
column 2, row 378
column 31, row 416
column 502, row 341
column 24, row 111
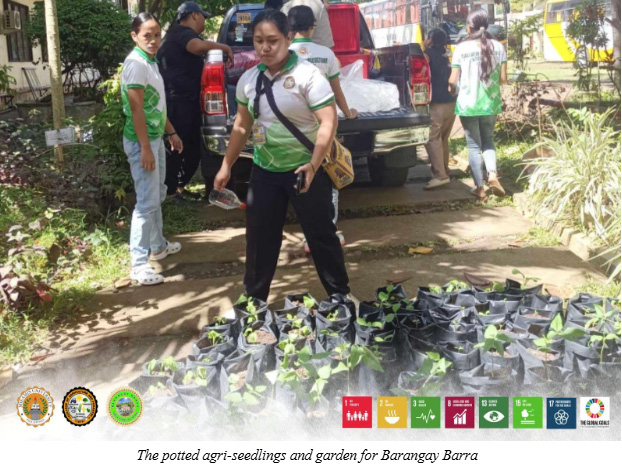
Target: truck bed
column 383, row 120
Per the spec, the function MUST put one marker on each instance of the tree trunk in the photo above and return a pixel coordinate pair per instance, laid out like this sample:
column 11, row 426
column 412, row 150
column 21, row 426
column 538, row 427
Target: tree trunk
column 156, row 8
column 142, row 6
column 56, row 77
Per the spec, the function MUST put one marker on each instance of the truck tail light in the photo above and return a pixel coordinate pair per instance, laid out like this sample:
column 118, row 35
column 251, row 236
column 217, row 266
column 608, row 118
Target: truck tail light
column 213, row 96
column 420, row 81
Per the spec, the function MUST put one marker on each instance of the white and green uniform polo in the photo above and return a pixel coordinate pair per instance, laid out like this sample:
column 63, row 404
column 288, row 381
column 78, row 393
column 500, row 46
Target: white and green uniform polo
column 299, row 89
column 141, row 71
column 476, row 98
column 322, row 57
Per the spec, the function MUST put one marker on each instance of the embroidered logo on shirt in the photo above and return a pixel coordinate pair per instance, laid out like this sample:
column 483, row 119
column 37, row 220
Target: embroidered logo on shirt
column 302, row 51
column 289, row 83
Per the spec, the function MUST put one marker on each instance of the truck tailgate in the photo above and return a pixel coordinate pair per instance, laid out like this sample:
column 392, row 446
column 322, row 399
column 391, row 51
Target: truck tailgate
column 383, row 120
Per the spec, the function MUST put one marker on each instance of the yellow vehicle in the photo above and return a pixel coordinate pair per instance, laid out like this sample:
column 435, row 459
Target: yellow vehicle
column 394, row 22
column 558, row 47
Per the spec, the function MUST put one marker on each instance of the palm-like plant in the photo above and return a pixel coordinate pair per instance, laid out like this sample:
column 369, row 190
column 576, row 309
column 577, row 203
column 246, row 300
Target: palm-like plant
column 581, row 182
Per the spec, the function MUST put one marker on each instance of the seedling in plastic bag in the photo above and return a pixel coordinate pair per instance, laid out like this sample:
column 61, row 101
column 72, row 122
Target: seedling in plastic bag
column 198, row 377
column 219, row 321
column 250, row 335
column 351, row 355
column 598, row 320
column 494, row 340
column 309, row 302
column 250, row 306
column 158, row 390
column 434, row 367
column 600, row 317
column 526, row 280
column 162, row 367
column 250, row 397
column 215, row 337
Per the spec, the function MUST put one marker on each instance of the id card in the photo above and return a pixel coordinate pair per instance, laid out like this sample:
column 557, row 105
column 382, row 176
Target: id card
column 259, row 134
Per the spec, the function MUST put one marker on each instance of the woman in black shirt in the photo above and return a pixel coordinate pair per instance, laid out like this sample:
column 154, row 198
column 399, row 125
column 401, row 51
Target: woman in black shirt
column 442, row 108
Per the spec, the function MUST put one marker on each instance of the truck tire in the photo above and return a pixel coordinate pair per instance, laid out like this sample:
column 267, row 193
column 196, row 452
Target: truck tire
column 383, row 176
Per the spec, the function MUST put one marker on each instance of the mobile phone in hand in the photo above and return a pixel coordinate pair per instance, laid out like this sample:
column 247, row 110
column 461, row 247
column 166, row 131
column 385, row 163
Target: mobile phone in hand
column 300, row 182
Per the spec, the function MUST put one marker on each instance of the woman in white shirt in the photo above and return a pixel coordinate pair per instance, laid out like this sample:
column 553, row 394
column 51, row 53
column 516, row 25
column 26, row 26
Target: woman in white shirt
column 303, row 22
column 303, row 96
column 479, row 68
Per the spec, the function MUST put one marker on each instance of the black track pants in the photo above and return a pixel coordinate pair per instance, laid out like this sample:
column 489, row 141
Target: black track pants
column 268, row 195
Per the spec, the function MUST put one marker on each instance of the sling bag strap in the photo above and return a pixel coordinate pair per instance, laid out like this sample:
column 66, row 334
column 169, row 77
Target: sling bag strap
column 289, row 125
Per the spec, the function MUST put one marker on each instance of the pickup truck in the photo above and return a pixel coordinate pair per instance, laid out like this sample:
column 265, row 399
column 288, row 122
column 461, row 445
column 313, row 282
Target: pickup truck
column 388, row 140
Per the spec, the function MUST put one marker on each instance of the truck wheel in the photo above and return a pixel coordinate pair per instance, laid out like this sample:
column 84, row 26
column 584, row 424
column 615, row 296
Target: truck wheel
column 382, row 176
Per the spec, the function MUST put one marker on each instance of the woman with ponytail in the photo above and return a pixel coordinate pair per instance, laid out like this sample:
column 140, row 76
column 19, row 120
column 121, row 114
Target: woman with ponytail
column 479, row 68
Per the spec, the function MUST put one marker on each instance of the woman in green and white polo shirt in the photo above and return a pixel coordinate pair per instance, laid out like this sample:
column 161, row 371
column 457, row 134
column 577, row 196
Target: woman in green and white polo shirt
column 302, row 23
column 303, row 95
column 479, row 68
column 144, row 105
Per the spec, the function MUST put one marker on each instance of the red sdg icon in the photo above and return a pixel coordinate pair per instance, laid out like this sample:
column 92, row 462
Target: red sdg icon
column 356, row 412
column 459, row 412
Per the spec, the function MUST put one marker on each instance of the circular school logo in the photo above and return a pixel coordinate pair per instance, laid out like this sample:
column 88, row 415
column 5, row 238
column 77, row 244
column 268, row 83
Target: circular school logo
column 80, row 406
column 595, row 408
column 289, row 83
column 302, row 51
column 125, row 406
column 35, row 406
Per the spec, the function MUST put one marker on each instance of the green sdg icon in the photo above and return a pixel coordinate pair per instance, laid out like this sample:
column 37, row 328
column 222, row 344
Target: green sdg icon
column 494, row 412
column 527, row 412
column 425, row 412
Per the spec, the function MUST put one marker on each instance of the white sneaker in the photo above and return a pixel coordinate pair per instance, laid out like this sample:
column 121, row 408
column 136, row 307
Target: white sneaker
column 435, row 183
column 147, row 277
column 171, row 249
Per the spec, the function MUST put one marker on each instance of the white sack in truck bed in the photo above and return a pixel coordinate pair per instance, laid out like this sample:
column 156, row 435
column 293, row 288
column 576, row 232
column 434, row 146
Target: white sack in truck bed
column 367, row 96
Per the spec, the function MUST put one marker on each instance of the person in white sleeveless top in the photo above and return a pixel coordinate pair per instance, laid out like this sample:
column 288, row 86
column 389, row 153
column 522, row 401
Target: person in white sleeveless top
column 302, row 22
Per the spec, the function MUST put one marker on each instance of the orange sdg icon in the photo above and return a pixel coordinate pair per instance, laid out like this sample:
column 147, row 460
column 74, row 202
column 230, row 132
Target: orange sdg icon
column 35, row 406
column 392, row 412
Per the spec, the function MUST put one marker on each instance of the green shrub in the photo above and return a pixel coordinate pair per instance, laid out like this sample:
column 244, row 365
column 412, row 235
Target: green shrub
column 108, row 137
column 93, row 35
column 580, row 184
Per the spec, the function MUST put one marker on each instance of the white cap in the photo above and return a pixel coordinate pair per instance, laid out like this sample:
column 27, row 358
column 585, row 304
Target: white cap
column 215, row 55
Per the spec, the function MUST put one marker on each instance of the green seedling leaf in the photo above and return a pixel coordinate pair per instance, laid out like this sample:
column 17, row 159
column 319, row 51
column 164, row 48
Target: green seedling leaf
column 308, row 302
column 324, row 372
column 235, row 397
column 372, row 362
column 571, row 333
column 249, row 399
column 341, row 367
column 557, row 324
column 491, row 332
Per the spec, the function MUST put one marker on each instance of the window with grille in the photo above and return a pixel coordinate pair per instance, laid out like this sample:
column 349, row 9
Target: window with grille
column 18, row 43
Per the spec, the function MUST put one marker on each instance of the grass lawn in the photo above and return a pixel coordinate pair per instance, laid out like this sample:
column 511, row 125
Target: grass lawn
column 548, row 71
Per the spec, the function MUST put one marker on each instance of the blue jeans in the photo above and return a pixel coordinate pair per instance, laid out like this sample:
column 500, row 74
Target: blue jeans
column 478, row 131
column 146, row 229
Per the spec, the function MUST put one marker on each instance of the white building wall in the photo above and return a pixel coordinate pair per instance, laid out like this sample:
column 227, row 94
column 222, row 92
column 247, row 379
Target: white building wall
column 42, row 70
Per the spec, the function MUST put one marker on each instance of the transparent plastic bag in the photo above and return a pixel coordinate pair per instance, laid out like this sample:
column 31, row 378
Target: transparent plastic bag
column 358, row 90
